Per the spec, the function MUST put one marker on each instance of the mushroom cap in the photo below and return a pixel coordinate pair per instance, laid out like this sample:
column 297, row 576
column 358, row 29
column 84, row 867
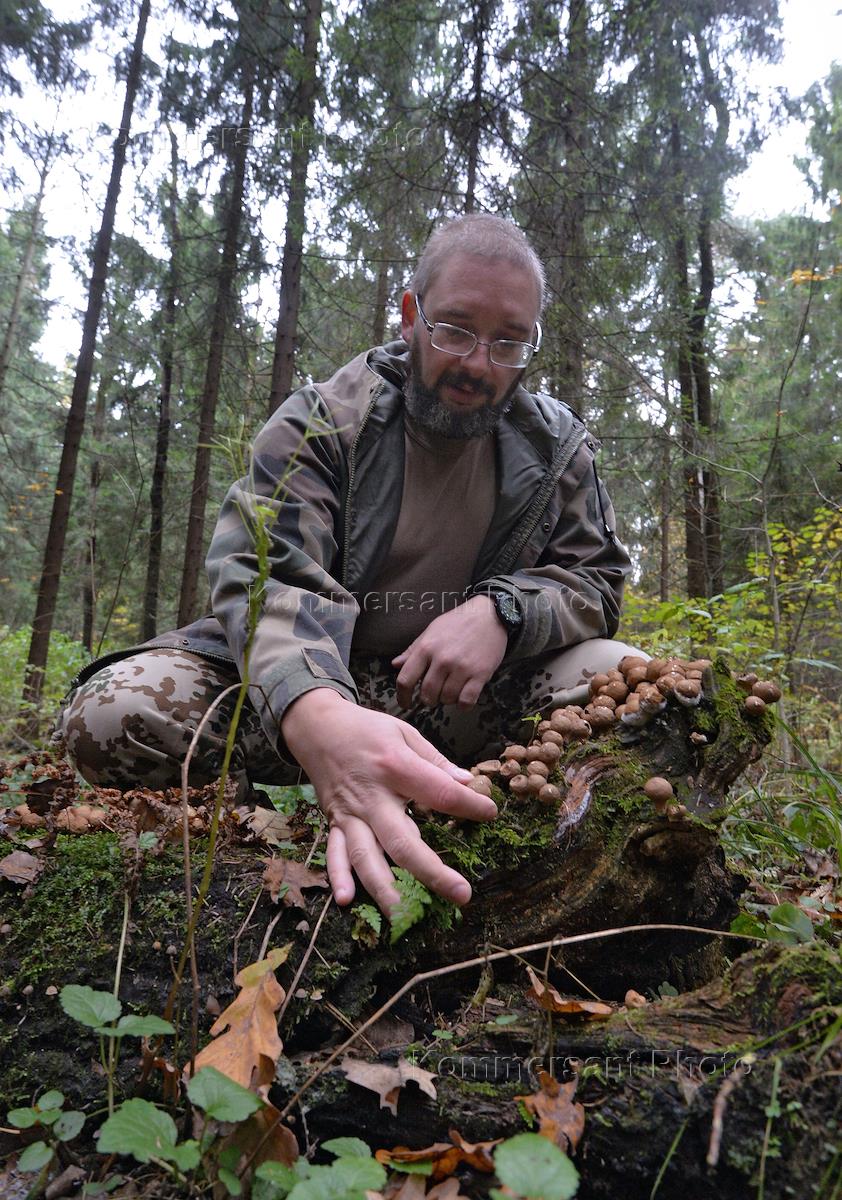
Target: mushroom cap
column 537, row 767
column 754, row 706
column 746, row 681
column 655, row 668
column 597, row 682
column 509, row 768
column 768, row 691
column 552, row 738
column 519, row 784
column 688, row 691
column 535, row 782
column 518, row 753
column 636, row 675
column 617, row 689
column 599, row 717
column 491, row 766
column 659, row 789
column 481, row 784
column 549, row 794
column 630, row 662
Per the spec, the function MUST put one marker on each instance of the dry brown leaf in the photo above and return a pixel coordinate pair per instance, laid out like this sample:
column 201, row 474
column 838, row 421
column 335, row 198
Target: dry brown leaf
column 550, row 1000
column 295, row 875
column 560, row 1120
column 20, row 867
column 445, row 1157
column 388, row 1080
column 248, row 1051
column 270, row 827
column 404, row 1187
column 448, row 1189
column 279, row 1146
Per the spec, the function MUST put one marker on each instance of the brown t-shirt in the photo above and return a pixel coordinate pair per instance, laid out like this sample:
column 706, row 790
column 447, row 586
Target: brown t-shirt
column 449, row 491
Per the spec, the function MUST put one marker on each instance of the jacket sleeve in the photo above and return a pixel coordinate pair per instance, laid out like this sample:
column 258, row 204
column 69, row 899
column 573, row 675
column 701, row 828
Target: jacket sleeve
column 574, row 591
column 303, row 632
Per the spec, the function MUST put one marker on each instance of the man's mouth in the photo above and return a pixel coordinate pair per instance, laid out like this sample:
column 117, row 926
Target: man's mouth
column 466, row 390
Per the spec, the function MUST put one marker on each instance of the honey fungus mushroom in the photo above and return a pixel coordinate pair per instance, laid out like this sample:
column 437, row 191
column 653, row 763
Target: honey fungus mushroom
column 659, row 791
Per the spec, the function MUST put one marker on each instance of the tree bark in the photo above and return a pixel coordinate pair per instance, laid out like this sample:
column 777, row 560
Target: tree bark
column 89, row 581
column 480, row 28
column 286, row 331
column 22, row 279
column 193, row 550
column 572, row 248
column 54, row 551
column 162, row 437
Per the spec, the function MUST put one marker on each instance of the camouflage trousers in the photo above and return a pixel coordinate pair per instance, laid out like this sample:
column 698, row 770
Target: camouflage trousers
column 131, row 724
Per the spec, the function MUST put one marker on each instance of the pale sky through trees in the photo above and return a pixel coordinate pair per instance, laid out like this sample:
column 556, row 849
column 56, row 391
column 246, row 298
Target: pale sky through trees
column 772, row 184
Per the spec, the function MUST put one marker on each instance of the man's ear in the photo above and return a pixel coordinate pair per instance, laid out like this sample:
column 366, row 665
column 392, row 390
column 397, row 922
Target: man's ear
column 408, row 315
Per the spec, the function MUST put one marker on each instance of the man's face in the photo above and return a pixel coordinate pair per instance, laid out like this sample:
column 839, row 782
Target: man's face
column 462, row 397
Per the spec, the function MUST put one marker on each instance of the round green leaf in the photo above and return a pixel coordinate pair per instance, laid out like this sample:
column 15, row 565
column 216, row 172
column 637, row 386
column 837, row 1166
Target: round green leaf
column 69, row 1125
column 88, row 1007
column 231, row 1181
column 277, row 1173
column 22, row 1118
column 790, row 924
column 35, row 1157
column 140, row 1129
column 136, row 1026
column 347, row 1147
column 532, row 1166
column 51, row 1099
column 220, row 1097
column 186, row 1156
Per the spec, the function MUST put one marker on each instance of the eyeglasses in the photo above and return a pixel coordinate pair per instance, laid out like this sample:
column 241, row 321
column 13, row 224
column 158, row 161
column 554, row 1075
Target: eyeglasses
column 503, row 353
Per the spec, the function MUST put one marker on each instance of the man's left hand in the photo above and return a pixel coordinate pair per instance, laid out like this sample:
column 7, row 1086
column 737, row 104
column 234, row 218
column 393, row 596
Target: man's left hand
column 455, row 656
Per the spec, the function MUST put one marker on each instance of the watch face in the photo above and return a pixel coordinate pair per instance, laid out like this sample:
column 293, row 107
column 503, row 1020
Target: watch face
column 508, row 610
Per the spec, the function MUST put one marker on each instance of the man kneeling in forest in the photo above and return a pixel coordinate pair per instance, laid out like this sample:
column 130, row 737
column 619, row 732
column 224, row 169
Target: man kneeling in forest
column 441, row 561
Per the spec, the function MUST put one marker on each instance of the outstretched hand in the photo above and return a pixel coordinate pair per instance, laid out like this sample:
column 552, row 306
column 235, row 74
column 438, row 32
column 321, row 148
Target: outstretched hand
column 366, row 767
column 455, row 656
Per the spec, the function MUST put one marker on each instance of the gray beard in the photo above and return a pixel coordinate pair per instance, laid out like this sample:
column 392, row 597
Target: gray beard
column 424, row 405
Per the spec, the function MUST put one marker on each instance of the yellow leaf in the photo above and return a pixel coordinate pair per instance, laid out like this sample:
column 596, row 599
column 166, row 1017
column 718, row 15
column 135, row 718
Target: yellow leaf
column 249, row 1048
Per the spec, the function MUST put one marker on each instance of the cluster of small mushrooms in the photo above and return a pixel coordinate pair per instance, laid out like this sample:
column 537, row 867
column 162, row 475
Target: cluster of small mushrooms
column 631, row 694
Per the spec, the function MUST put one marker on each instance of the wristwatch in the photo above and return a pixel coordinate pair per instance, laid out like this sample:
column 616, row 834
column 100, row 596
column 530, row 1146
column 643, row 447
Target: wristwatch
column 507, row 608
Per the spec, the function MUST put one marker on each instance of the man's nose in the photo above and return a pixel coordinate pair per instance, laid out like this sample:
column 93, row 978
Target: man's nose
column 478, row 362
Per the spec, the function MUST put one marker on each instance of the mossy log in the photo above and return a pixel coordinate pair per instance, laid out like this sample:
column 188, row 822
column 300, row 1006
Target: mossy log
column 681, row 1089
column 602, row 859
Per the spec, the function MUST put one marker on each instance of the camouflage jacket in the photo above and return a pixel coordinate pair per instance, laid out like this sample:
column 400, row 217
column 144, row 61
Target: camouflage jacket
column 326, row 474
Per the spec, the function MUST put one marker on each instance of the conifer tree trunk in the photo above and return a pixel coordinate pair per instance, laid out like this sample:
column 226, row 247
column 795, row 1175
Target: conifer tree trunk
column 213, row 373
column 286, row 331
column 475, row 133
column 571, row 230
column 75, row 423
column 89, row 584
column 22, row 279
column 162, row 437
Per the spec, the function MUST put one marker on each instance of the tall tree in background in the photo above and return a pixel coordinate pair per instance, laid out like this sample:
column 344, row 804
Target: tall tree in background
column 162, row 435
column 233, row 191
column 302, row 110
column 54, row 550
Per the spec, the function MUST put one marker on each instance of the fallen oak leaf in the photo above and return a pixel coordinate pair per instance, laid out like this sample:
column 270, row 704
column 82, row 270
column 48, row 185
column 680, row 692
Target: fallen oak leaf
column 445, row 1157
column 20, row 867
column 295, row 876
column 560, row 1120
column 388, row 1080
column 248, row 1051
column 550, row 1000
column 268, row 826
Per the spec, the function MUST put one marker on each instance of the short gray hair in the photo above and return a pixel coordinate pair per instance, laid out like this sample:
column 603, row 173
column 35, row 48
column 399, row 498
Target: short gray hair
column 485, row 236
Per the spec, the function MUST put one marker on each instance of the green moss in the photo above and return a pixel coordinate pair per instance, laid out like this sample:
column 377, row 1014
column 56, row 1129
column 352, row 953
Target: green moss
column 74, row 902
column 475, row 848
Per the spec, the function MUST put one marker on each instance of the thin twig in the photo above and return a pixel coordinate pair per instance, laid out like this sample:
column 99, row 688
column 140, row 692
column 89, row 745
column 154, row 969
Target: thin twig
column 466, row 965
column 190, row 941
column 245, row 925
column 264, row 945
column 717, row 1118
column 305, row 959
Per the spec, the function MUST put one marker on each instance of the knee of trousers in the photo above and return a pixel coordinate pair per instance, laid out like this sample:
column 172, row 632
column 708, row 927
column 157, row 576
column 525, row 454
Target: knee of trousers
column 571, row 669
column 125, row 731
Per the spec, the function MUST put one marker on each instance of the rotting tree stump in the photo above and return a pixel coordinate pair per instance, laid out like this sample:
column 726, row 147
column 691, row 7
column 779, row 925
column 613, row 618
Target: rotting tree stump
column 602, row 859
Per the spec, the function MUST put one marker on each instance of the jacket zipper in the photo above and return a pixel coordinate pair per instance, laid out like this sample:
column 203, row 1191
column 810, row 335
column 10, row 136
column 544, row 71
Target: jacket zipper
column 533, row 516
column 352, row 470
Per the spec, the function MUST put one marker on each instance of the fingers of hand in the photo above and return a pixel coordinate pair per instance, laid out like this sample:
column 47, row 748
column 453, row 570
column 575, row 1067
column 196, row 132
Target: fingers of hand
column 339, row 867
column 398, row 835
